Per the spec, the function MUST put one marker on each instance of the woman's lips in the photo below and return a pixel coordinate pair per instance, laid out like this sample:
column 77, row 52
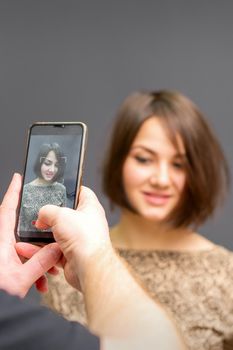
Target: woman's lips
column 156, row 198
column 49, row 175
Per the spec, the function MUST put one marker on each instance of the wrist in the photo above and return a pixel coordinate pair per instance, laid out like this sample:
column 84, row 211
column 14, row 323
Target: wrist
column 93, row 259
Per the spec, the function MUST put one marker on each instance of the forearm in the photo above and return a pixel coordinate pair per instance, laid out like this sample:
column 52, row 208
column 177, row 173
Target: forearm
column 118, row 308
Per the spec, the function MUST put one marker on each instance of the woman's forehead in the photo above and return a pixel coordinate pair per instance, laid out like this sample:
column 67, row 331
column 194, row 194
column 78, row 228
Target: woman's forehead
column 51, row 155
column 153, row 135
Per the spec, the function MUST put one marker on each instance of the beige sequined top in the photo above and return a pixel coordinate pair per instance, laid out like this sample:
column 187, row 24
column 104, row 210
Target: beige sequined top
column 197, row 287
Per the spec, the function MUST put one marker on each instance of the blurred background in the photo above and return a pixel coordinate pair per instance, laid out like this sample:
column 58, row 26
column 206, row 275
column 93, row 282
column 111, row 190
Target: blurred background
column 65, row 60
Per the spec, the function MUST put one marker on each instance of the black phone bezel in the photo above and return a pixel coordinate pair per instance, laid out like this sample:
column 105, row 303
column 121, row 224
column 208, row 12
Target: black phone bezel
column 31, row 238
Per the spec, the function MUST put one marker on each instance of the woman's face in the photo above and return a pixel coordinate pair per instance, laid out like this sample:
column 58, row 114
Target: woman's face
column 49, row 167
column 154, row 172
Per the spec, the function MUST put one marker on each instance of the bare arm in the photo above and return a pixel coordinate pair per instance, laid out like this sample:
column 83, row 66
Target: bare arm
column 118, row 309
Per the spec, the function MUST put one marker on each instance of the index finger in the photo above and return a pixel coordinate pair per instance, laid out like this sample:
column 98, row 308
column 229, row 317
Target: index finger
column 11, row 197
column 8, row 210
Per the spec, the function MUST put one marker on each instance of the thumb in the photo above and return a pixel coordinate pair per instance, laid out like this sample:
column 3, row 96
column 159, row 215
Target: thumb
column 48, row 216
column 88, row 200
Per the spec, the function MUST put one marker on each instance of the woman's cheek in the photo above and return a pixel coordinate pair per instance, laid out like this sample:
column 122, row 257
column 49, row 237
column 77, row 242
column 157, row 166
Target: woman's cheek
column 134, row 174
column 180, row 182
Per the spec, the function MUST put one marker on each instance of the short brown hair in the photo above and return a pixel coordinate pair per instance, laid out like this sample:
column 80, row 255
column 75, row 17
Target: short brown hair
column 207, row 170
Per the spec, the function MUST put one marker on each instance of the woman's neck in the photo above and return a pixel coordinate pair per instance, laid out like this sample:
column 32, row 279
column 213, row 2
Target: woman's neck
column 40, row 182
column 135, row 232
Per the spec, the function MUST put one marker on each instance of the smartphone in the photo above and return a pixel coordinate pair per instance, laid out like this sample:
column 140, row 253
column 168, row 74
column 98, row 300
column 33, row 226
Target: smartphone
column 52, row 174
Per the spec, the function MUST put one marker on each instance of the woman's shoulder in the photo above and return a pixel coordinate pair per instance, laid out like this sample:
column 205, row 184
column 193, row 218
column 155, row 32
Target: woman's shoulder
column 223, row 253
column 219, row 262
column 28, row 186
column 59, row 185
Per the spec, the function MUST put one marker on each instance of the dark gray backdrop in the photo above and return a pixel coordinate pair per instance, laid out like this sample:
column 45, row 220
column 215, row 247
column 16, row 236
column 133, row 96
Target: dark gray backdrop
column 77, row 60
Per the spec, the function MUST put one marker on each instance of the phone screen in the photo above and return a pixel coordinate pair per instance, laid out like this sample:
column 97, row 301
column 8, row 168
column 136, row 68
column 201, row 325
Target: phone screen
column 52, row 174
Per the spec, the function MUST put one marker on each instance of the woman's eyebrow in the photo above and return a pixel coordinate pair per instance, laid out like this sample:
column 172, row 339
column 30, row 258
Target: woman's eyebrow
column 50, row 161
column 143, row 148
column 181, row 155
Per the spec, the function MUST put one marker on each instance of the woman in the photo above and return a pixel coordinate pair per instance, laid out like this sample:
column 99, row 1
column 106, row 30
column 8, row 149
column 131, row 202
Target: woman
column 49, row 168
column 167, row 173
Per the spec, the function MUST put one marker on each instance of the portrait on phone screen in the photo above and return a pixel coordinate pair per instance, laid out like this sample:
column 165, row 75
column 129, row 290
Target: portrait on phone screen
column 47, row 187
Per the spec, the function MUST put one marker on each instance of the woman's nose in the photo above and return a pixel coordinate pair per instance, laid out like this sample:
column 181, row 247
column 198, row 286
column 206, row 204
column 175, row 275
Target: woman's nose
column 160, row 176
column 51, row 167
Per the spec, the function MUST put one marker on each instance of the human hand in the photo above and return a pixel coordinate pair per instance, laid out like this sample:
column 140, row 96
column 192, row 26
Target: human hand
column 17, row 277
column 79, row 233
column 26, row 251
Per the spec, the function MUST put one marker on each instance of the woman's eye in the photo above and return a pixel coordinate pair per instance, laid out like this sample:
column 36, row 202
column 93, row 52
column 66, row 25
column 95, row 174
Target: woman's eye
column 142, row 160
column 178, row 165
column 47, row 162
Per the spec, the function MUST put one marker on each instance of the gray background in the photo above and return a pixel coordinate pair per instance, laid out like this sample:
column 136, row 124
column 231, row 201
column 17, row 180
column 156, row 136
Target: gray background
column 77, row 60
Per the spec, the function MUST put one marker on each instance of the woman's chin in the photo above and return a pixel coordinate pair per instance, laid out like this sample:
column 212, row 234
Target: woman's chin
column 157, row 217
column 48, row 180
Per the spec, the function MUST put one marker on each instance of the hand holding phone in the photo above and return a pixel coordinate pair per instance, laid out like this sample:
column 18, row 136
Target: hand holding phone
column 52, row 174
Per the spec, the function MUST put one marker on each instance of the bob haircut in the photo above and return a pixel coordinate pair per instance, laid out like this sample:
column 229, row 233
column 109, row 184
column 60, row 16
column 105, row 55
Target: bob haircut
column 207, row 173
column 43, row 152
